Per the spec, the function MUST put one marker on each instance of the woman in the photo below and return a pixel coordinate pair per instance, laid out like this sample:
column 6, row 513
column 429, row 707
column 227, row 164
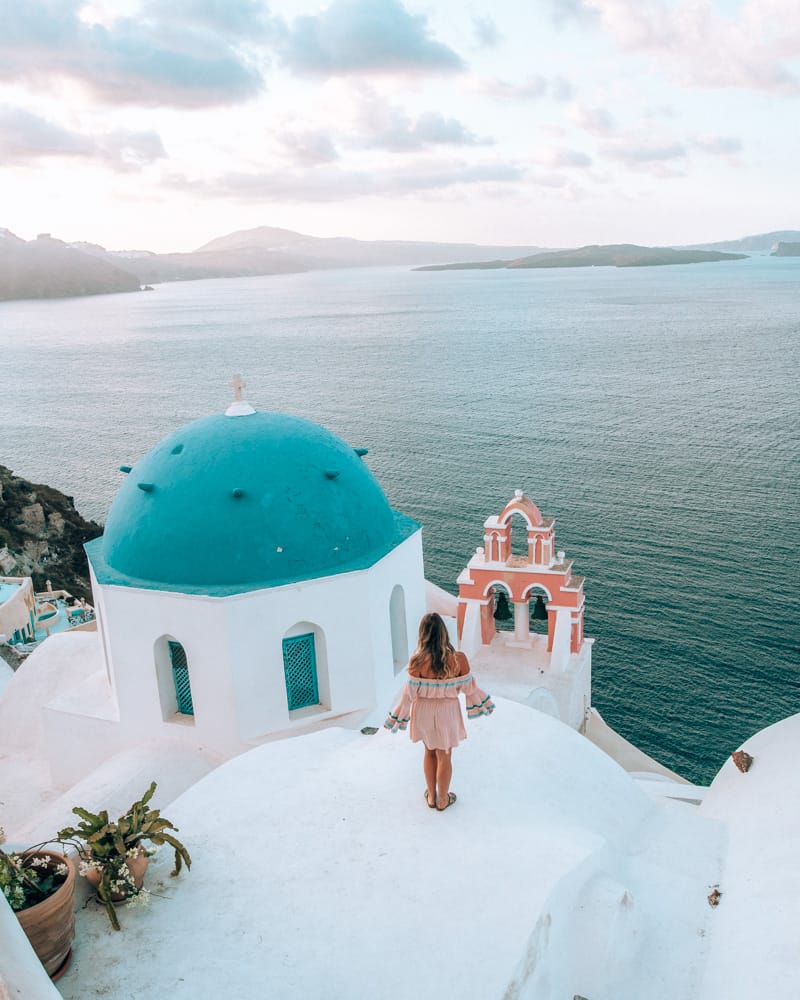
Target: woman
column 437, row 675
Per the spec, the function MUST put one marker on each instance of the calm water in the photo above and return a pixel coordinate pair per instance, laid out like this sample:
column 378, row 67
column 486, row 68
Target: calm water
column 652, row 411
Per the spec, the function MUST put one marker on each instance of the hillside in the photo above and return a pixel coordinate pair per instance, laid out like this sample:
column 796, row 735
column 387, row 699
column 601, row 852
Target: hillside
column 45, row 268
column 151, row 268
column 613, row 255
column 341, row 251
column 42, row 535
column 755, row 244
column 786, row 250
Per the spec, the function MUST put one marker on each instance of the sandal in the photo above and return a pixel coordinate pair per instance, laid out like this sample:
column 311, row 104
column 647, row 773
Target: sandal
column 451, row 797
column 430, row 805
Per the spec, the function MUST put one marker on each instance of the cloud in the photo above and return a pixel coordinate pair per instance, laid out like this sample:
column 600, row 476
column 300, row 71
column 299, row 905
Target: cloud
column 560, row 157
column 364, row 36
column 381, row 125
column 752, row 47
column 569, row 10
column 147, row 60
column 241, row 19
column 665, row 156
column 128, row 150
column 308, row 147
column 549, row 180
column 331, row 183
column 597, row 121
column 26, row 137
column 561, row 89
column 644, row 152
column 531, row 88
column 487, row 35
column 660, row 157
column 658, row 111
column 718, row 145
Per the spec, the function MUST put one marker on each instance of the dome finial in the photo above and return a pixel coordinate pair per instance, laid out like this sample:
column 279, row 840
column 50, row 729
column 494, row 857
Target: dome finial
column 238, row 408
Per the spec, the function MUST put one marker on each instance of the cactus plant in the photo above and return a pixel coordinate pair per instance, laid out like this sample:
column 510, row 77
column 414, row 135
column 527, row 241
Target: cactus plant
column 105, row 847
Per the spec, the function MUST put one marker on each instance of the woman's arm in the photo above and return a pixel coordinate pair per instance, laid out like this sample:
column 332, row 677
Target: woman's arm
column 397, row 720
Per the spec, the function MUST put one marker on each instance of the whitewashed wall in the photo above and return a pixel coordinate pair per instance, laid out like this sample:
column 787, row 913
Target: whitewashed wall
column 234, row 652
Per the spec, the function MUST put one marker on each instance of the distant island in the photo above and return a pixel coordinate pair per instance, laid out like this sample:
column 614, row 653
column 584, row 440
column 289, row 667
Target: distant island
column 50, row 268
column 613, row 255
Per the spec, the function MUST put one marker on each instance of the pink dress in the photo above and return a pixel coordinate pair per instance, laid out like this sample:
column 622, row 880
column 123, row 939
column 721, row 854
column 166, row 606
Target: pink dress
column 434, row 711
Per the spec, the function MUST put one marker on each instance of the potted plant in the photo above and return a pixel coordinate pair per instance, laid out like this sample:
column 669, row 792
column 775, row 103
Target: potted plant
column 113, row 856
column 40, row 887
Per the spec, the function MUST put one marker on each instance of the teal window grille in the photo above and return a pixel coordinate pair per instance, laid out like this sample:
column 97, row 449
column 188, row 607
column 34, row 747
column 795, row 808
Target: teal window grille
column 300, row 671
column 180, row 677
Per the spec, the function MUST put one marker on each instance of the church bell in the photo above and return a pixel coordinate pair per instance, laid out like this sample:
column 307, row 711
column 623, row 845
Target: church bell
column 502, row 612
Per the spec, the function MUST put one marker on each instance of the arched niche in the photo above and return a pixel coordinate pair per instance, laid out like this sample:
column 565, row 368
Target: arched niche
column 399, row 628
column 543, row 701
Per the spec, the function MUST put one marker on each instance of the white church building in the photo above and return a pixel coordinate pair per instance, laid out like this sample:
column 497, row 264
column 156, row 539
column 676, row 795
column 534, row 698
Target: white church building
column 252, row 580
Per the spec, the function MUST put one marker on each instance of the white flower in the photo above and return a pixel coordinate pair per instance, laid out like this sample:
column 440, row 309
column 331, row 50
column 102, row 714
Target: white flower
column 93, row 865
column 141, row 898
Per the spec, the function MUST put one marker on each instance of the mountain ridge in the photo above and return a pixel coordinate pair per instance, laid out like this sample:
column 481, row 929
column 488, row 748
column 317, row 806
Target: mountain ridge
column 49, row 268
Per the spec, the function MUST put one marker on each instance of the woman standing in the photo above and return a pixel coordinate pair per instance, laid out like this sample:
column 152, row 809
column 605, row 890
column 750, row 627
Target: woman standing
column 437, row 675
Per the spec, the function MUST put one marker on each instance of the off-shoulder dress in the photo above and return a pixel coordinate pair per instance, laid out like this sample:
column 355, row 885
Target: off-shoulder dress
column 434, row 711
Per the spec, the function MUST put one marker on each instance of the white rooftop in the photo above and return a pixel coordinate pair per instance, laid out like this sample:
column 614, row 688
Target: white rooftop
column 319, row 871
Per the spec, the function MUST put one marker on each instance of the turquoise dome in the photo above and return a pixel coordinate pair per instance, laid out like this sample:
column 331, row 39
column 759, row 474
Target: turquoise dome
column 234, row 503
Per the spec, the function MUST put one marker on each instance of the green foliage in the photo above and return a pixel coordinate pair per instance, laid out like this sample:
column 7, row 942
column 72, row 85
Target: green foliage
column 106, row 846
column 28, row 878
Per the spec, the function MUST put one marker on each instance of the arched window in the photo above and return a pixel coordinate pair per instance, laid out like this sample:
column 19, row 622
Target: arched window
column 538, row 599
column 300, row 671
column 503, row 610
column 180, row 678
column 399, row 629
column 172, row 673
column 518, row 527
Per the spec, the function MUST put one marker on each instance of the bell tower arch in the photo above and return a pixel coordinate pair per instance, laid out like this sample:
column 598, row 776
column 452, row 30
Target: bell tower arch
column 542, row 576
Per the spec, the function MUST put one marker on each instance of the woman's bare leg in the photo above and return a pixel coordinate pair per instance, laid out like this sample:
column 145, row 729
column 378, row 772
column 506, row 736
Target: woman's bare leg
column 429, row 765
column 444, row 772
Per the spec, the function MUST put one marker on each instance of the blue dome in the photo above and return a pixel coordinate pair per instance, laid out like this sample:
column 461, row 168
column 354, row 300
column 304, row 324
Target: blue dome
column 233, row 503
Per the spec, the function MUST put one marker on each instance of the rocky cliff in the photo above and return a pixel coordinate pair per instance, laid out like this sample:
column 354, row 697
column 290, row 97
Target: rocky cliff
column 42, row 535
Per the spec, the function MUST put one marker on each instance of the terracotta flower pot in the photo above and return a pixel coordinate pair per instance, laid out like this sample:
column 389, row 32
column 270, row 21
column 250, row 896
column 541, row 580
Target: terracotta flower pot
column 50, row 925
column 137, row 866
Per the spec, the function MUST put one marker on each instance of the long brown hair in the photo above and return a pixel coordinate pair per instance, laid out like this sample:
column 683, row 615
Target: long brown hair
column 434, row 648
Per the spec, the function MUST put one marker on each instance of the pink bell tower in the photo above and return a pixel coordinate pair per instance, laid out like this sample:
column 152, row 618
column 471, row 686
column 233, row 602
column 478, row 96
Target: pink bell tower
column 540, row 571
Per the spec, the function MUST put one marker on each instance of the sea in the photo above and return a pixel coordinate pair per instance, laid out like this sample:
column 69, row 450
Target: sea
column 653, row 412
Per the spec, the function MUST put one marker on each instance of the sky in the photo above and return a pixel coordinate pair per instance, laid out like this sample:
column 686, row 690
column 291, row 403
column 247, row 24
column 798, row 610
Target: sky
column 161, row 124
